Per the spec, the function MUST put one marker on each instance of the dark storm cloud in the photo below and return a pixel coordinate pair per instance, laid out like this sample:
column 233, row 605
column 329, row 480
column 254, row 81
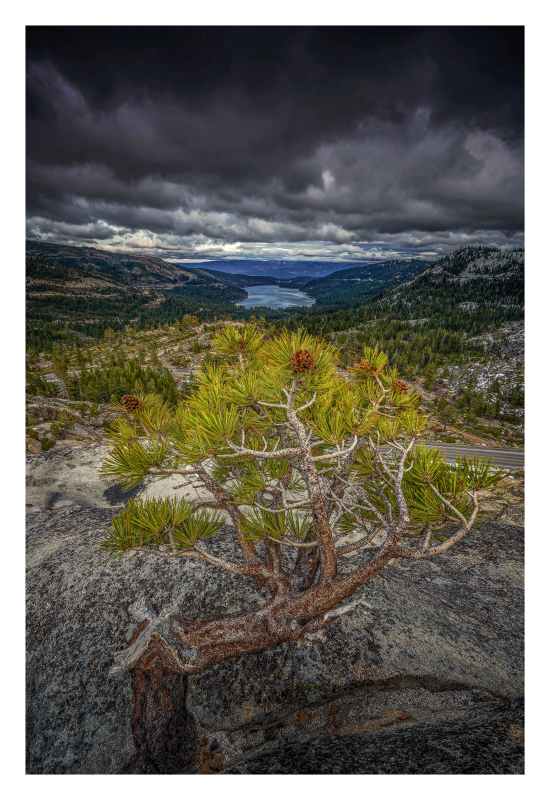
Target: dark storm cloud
column 189, row 140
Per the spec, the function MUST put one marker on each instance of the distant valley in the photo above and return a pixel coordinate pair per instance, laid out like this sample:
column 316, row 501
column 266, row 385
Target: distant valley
column 453, row 328
column 149, row 283
column 85, row 290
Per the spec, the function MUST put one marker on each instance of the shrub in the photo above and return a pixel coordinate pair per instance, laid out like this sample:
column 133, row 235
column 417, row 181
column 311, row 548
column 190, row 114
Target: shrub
column 62, row 426
column 295, row 458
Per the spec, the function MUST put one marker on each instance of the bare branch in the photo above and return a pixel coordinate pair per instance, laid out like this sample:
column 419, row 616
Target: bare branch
column 428, row 536
column 225, row 500
column 338, row 454
column 260, row 454
column 284, row 540
column 160, row 471
column 307, row 405
column 360, row 543
column 300, row 504
column 448, row 504
column 258, row 571
column 361, row 492
column 404, row 516
column 403, row 552
column 338, row 612
column 270, row 405
column 382, row 495
column 328, row 560
column 172, row 542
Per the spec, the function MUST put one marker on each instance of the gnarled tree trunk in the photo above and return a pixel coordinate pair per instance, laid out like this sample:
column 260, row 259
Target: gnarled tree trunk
column 166, row 649
column 164, row 732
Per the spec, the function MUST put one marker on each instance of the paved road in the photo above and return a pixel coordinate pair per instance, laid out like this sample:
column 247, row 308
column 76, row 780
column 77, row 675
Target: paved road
column 502, row 458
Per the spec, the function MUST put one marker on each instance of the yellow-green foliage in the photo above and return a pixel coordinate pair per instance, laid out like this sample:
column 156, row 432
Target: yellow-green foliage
column 243, row 404
column 155, row 523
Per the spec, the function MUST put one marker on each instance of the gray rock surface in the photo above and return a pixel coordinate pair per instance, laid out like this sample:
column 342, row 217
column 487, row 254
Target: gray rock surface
column 486, row 740
column 442, row 636
column 69, row 476
column 66, row 475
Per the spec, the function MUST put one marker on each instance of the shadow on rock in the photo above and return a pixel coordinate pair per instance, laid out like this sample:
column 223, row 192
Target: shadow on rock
column 116, row 496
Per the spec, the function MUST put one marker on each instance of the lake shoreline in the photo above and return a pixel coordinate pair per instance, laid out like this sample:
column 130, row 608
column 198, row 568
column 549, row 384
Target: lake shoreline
column 276, row 297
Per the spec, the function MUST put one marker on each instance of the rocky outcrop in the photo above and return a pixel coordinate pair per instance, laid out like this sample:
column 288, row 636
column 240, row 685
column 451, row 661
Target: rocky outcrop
column 441, row 649
column 69, row 475
column 33, row 444
column 88, row 418
column 479, row 740
column 505, row 502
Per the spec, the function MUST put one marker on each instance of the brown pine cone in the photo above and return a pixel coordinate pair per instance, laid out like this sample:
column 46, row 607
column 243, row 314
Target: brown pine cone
column 301, row 361
column 364, row 365
column 400, row 386
column 130, row 403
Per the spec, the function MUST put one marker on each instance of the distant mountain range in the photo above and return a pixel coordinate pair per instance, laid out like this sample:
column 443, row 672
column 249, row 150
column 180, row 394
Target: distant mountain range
column 82, row 290
column 281, row 270
column 340, row 285
column 238, row 280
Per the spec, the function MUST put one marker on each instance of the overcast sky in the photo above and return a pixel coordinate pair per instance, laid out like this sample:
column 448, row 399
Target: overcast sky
column 328, row 143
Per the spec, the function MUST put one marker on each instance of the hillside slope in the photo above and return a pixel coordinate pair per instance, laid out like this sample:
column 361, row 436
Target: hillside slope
column 479, row 263
column 66, row 302
column 46, row 277
column 138, row 270
column 142, row 274
column 240, row 280
column 467, row 278
column 347, row 286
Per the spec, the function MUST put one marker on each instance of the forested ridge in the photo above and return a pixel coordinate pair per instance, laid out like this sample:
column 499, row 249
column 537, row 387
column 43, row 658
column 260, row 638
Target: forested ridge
column 347, row 286
column 126, row 267
column 418, row 321
column 67, row 303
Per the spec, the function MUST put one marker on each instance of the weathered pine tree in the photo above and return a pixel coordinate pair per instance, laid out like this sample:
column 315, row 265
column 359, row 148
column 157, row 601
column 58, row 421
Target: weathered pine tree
column 294, row 457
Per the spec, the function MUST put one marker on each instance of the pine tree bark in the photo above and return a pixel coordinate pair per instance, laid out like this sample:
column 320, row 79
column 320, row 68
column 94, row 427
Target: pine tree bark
column 163, row 730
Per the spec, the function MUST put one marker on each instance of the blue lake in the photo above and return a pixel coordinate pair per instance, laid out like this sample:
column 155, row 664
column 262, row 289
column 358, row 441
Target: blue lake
column 275, row 297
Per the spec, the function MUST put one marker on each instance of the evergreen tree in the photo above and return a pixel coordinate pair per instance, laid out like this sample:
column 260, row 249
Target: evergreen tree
column 429, row 376
column 276, row 440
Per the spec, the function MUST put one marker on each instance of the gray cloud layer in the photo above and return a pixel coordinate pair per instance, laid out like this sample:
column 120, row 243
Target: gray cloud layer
column 332, row 157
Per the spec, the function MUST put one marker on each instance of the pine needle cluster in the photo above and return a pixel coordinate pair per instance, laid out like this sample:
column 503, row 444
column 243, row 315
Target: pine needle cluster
column 292, row 455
